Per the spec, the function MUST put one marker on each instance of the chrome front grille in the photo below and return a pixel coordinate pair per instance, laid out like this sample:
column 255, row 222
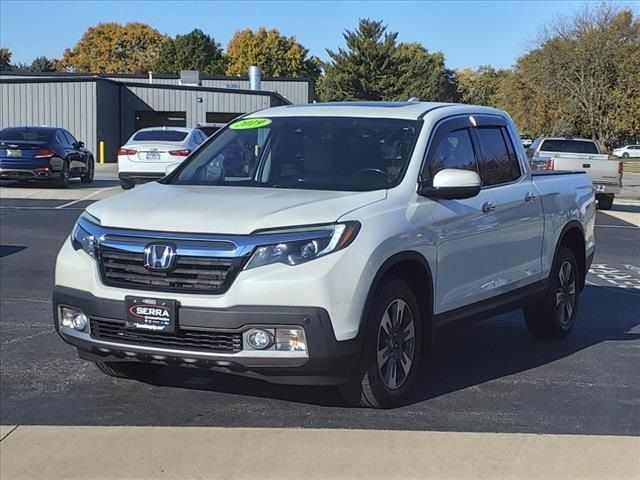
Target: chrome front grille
column 194, row 274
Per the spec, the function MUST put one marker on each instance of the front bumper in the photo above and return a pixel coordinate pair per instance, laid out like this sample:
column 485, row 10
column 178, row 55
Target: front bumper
column 326, row 360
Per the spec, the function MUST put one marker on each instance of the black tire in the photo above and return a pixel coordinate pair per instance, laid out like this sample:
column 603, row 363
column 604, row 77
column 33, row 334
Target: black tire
column 369, row 386
column 605, row 202
column 625, row 155
column 126, row 184
column 128, row 369
column 549, row 317
column 63, row 180
column 88, row 177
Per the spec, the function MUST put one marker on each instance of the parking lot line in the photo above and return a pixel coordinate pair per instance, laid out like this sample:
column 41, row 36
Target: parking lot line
column 86, row 197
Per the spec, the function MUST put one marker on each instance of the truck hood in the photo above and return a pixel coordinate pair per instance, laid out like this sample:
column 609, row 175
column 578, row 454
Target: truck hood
column 225, row 210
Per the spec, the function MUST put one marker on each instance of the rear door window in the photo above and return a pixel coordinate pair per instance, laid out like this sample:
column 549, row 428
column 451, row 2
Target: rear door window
column 498, row 161
column 61, row 139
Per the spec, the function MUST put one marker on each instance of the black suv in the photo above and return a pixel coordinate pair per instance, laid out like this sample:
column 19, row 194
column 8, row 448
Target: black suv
column 43, row 153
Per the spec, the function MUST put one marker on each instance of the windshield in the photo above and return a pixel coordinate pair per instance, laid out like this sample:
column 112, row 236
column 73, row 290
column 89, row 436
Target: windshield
column 25, row 134
column 159, row 136
column 569, row 146
column 316, row 153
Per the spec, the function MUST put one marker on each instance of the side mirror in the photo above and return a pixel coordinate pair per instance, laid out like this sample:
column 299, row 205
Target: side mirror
column 171, row 167
column 80, row 145
column 453, row 184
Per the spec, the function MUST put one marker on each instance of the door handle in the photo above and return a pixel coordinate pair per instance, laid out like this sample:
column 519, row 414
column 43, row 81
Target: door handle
column 586, row 165
column 488, row 207
column 530, row 197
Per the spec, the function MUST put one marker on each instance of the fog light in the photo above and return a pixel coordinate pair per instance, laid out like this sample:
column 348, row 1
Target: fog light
column 73, row 318
column 291, row 339
column 260, row 339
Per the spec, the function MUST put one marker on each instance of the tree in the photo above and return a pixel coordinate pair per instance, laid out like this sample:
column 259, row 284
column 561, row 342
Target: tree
column 373, row 66
column 42, row 64
column 481, row 86
column 275, row 54
column 423, row 75
column 193, row 51
column 583, row 73
column 367, row 69
column 5, row 59
column 115, row 48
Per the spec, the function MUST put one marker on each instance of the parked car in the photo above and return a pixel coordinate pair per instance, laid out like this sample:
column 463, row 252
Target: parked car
column 149, row 151
column 581, row 155
column 359, row 233
column 44, row 153
column 630, row 151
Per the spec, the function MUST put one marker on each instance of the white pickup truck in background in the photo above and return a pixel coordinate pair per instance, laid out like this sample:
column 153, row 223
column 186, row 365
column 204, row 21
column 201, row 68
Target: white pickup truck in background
column 580, row 155
column 352, row 236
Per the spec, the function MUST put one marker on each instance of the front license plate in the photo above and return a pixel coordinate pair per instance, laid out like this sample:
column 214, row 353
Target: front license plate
column 153, row 156
column 151, row 314
column 14, row 153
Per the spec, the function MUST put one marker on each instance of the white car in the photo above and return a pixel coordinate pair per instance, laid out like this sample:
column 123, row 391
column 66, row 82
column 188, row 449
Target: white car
column 348, row 238
column 630, row 151
column 149, row 152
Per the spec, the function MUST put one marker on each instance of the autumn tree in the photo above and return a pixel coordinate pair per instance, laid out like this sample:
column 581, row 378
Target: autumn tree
column 584, row 72
column 481, row 86
column 275, row 54
column 193, row 51
column 115, row 48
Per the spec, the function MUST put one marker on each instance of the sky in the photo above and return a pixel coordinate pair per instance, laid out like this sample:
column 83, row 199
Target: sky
column 469, row 33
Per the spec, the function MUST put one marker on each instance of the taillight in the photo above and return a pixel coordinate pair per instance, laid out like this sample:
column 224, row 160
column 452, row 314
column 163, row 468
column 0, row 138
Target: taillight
column 126, row 151
column 549, row 164
column 45, row 152
column 180, row 153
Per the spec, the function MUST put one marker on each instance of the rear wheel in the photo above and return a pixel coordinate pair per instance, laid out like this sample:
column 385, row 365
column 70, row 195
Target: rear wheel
column 88, row 177
column 391, row 349
column 128, row 369
column 605, row 202
column 554, row 315
column 126, row 184
column 63, row 180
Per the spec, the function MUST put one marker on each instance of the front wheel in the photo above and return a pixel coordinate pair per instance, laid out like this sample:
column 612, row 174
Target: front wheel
column 391, row 349
column 126, row 184
column 625, row 155
column 554, row 315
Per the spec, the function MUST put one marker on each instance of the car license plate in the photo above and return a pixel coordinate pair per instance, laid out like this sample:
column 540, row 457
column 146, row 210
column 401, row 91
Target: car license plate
column 153, row 156
column 14, row 153
column 151, row 314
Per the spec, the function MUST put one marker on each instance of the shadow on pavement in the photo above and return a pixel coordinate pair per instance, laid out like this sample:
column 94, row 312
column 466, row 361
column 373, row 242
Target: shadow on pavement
column 74, row 184
column 462, row 358
column 6, row 250
column 626, row 208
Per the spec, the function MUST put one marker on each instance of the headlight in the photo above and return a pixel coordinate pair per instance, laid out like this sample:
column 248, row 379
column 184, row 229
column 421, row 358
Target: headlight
column 315, row 242
column 81, row 238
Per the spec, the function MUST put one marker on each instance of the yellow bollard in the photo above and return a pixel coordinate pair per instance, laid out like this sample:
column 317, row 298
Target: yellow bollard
column 101, row 152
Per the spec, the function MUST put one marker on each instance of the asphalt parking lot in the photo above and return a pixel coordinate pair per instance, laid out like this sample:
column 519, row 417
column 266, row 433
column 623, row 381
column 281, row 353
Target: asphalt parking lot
column 490, row 377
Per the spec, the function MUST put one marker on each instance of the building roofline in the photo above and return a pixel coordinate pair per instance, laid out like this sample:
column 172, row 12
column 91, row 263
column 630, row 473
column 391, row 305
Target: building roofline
column 145, row 76
column 197, row 88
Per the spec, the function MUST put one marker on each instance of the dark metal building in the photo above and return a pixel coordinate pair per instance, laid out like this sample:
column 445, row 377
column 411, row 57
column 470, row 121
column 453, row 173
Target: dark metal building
column 109, row 109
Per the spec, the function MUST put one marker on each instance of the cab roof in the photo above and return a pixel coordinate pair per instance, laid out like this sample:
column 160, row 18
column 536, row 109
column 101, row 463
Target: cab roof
column 401, row 110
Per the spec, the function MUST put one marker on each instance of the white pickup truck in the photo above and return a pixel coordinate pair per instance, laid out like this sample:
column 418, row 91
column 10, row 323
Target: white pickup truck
column 580, row 155
column 349, row 238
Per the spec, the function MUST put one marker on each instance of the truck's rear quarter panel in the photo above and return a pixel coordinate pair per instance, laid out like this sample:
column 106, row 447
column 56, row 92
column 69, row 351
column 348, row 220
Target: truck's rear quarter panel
column 565, row 197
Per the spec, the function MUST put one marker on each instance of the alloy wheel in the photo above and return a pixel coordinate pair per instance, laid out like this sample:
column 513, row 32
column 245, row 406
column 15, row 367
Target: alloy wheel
column 566, row 293
column 396, row 344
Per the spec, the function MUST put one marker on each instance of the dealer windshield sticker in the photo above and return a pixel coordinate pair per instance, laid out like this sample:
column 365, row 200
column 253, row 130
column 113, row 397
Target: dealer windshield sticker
column 250, row 123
